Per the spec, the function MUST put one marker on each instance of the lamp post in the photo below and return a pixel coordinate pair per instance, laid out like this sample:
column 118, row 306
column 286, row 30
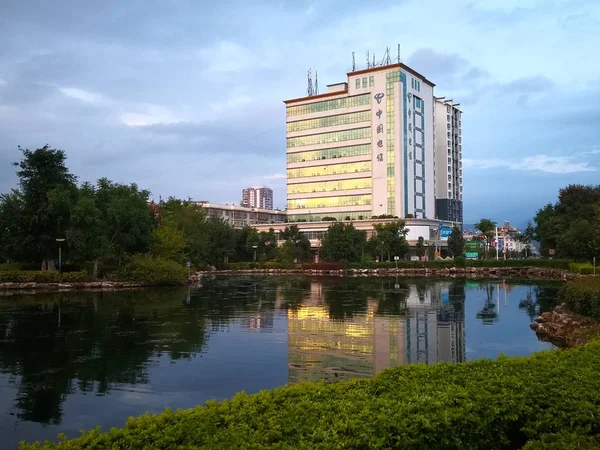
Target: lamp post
column 254, row 247
column 396, row 258
column 60, row 241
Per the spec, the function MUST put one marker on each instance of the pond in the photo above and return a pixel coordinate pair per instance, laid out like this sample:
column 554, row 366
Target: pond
column 78, row 360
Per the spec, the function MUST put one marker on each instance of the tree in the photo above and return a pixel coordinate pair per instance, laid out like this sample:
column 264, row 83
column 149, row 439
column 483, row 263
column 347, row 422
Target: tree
column 389, row 239
column 169, row 243
column 300, row 242
column 343, row 242
column 572, row 224
column 36, row 222
column 420, row 247
column 526, row 237
column 487, row 227
column 456, row 243
column 86, row 234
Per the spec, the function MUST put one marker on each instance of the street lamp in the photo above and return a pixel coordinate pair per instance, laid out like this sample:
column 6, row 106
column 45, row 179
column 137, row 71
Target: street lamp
column 60, row 241
column 396, row 258
column 254, row 247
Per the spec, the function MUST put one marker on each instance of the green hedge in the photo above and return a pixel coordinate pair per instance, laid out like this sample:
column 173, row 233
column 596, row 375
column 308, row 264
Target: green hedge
column 31, row 276
column 564, row 440
column 581, row 268
column 485, row 404
column 582, row 296
column 154, row 271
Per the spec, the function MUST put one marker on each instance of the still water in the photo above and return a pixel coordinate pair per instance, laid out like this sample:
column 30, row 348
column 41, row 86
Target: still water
column 74, row 361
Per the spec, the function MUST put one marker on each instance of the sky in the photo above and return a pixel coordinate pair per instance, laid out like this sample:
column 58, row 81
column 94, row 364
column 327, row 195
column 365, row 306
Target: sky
column 185, row 98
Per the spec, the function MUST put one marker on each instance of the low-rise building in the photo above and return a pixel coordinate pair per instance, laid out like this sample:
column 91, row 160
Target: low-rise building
column 238, row 216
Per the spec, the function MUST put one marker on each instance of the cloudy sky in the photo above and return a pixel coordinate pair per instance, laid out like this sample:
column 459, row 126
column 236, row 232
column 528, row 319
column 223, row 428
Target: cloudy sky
column 185, row 97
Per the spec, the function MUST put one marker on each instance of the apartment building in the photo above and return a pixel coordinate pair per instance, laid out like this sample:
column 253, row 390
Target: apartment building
column 239, row 216
column 448, row 160
column 257, row 197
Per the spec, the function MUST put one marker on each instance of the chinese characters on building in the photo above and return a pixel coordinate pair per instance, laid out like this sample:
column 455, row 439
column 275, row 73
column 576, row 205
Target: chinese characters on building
column 380, row 129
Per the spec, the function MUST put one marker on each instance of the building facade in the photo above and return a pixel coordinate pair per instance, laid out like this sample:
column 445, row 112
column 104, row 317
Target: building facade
column 365, row 148
column 238, row 216
column 257, row 197
column 448, row 160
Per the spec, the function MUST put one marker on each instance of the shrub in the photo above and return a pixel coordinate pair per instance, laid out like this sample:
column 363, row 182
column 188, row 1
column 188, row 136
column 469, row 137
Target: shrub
column 582, row 296
column 10, row 267
column 563, row 440
column 581, row 269
column 154, row 271
column 30, row 276
column 482, row 404
column 460, row 261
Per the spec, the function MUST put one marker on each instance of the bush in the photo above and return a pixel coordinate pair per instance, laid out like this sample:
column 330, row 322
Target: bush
column 582, row 296
column 581, row 269
column 460, row 261
column 10, row 267
column 482, row 404
column 564, row 440
column 154, row 271
column 47, row 276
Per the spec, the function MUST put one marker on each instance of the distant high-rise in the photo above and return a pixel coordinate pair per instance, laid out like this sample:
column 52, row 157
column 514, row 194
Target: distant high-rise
column 448, row 160
column 257, row 197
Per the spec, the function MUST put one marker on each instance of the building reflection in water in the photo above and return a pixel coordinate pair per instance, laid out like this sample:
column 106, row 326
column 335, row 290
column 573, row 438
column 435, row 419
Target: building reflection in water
column 427, row 326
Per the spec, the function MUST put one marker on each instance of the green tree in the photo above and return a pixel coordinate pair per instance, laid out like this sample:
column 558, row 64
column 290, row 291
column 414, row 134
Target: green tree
column 420, row 248
column 571, row 225
column 343, row 242
column 487, row 227
column 300, row 242
column 389, row 239
column 169, row 243
column 527, row 237
column 39, row 207
column 456, row 243
column 127, row 218
column 86, row 235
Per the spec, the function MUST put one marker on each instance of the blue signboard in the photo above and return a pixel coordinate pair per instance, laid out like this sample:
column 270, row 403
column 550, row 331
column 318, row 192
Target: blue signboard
column 445, row 233
column 445, row 297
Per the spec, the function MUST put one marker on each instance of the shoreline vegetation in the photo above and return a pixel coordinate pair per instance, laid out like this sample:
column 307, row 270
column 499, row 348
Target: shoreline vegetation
column 151, row 272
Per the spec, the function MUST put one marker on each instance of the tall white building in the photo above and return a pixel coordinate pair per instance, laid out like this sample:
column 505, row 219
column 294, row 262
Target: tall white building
column 365, row 148
column 448, row 160
column 257, row 197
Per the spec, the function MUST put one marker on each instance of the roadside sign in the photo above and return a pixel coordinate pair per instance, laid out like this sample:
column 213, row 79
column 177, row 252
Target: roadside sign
column 471, row 255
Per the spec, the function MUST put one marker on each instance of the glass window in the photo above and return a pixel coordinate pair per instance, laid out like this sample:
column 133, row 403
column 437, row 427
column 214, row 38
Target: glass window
column 333, row 169
column 330, row 202
column 412, row 82
column 448, row 135
column 449, row 160
column 327, row 105
column 358, row 83
column 330, row 121
column 338, row 152
column 329, row 186
column 371, row 81
column 326, row 138
column 364, row 82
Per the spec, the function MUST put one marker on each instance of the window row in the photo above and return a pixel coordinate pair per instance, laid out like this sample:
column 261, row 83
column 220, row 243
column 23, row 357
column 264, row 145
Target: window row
column 334, row 169
column 331, row 121
column 326, row 105
column 309, row 217
column 416, row 84
column 339, row 152
column 330, row 202
column 329, row 186
column 327, row 138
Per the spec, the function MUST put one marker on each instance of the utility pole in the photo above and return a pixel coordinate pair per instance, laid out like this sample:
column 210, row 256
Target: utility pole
column 497, row 244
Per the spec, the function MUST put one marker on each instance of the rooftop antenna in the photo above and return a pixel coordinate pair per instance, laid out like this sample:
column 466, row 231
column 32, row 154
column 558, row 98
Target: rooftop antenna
column 368, row 60
column 374, row 64
column 316, row 83
column 399, row 60
column 388, row 59
column 309, row 90
column 353, row 63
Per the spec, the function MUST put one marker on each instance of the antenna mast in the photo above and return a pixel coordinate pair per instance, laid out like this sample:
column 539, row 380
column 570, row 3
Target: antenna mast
column 353, row 63
column 309, row 89
column 316, row 83
column 374, row 63
column 368, row 60
column 388, row 59
column 399, row 60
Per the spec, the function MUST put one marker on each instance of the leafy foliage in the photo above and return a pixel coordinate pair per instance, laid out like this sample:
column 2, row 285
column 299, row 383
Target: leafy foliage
column 582, row 296
column 504, row 403
column 456, row 243
column 343, row 242
column 153, row 271
column 572, row 225
column 389, row 240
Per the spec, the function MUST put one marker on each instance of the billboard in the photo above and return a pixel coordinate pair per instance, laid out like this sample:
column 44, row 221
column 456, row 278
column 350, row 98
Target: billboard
column 445, row 233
